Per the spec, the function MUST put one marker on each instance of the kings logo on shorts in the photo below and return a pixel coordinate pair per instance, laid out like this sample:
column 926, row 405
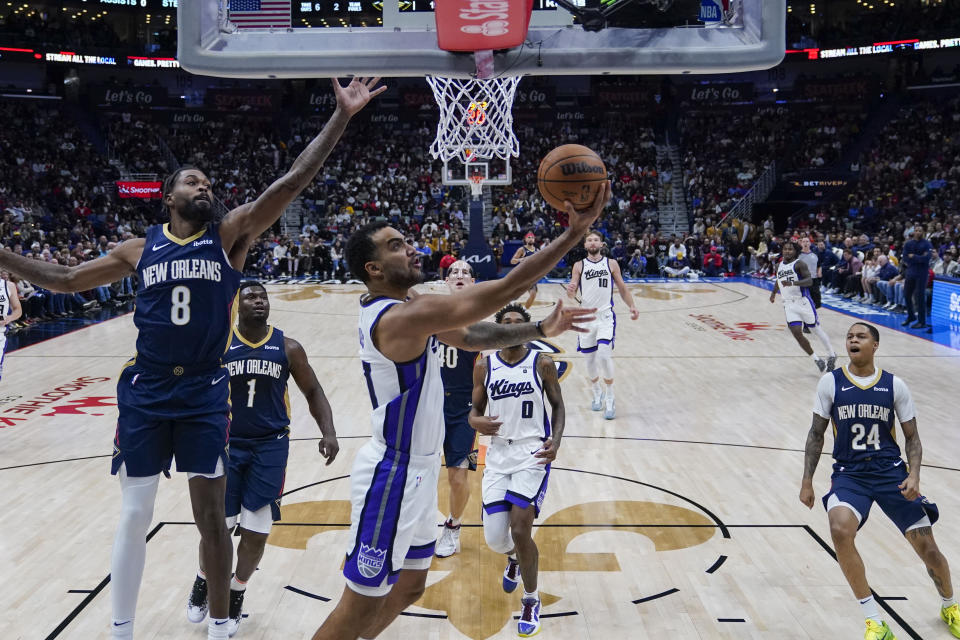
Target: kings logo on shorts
column 370, row 561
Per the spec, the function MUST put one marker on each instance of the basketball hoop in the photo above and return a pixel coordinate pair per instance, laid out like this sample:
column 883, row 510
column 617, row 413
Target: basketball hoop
column 476, row 118
column 476, row 186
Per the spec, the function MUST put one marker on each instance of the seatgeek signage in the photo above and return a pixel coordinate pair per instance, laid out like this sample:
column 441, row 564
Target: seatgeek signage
column 131, row 189
column 945, row 313
column 478, row 25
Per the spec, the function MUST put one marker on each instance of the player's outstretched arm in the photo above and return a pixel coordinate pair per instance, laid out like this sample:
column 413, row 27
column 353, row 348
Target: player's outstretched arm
column 305, row 377
column 490, row 335
column 245, row 223
column 402, row 331
column 625, row 294
column 119, row 263
column 558, row 417
column 910, row 488
column 574, row 278
column 484, row 425
column 811, row 457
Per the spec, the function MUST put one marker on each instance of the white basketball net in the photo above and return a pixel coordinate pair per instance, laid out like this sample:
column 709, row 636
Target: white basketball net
column 476, row 118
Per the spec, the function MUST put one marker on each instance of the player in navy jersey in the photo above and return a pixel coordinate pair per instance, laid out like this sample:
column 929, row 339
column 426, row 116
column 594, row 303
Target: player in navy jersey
column 459, row 441
column 512, row 383
column 863, row 403
column 522, row 253
column 260, row 360
column 393, row 482
column 173, row 396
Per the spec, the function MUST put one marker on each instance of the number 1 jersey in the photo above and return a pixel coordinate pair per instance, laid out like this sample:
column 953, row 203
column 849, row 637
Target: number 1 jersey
column 259, row 372
column 184, row 307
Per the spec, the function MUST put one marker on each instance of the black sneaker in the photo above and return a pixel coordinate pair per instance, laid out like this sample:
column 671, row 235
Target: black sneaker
column 197, row 604
column 236, row 611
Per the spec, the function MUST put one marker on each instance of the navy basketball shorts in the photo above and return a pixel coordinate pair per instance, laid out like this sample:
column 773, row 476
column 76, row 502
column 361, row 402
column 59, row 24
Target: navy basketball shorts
column 164, row 416
column 859, row 490
column 255, row 475
column 460, row 440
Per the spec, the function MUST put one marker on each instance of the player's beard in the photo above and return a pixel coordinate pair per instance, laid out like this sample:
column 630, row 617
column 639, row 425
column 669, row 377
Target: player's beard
column 407, row 278
column 198, row 211
column 593, row 252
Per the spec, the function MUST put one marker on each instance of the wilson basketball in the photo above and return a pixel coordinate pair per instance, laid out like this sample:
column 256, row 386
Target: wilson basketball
column 571, row 172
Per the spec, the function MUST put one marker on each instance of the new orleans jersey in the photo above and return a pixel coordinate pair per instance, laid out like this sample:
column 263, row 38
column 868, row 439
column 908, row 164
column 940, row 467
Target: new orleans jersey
column 258, row 387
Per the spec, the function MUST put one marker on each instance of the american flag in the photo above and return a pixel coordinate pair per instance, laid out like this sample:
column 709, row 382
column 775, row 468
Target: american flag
column 259, row 14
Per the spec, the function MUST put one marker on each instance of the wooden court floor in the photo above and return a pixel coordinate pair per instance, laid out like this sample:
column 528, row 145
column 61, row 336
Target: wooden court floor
column 677, row 520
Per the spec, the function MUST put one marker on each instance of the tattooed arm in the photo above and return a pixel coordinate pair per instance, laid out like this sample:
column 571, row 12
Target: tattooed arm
column 910, row 488
column 812, row 451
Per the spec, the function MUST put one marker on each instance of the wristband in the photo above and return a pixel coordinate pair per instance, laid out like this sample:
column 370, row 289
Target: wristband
column 540, row 328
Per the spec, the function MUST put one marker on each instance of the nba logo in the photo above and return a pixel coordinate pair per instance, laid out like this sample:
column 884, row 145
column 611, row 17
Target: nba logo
column 713, row 10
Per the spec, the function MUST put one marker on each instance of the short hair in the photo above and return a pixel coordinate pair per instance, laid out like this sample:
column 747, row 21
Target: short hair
column 250, row 283
column 594, row 233
column 171, row 180
column 361, row 249
column 513, row 307
column 874, row 333
column 796, row 247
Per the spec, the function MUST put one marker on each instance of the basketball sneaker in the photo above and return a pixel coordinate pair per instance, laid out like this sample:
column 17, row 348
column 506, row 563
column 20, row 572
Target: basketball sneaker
column 610, row 412
column 529, row 624
column 511, row 575
column 951, row 615
column 197, row 603
column 832, row 362
column 821, row 364
column 449, row 542
column 878, row 631
column 597, row 403
column 236, row 611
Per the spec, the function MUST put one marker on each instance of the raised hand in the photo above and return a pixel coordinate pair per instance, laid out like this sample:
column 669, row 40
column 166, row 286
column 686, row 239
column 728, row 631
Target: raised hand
column 566, row 319
column 357, row 94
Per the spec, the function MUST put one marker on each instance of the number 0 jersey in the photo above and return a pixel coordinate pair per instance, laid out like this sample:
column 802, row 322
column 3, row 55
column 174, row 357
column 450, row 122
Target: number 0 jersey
column 515, row 395
column 259, row 373
column 407, row 397
column 185, row 301
column 596, row 284
column 864, row 412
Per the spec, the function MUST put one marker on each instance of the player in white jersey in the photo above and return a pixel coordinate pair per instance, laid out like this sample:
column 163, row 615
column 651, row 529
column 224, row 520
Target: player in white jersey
column 394, row 477
column 10, row 311
column 595, row 277
column 793, row 282
column 510, row 385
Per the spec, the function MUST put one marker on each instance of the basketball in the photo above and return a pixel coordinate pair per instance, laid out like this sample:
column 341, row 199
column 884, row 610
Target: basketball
column 571, row 172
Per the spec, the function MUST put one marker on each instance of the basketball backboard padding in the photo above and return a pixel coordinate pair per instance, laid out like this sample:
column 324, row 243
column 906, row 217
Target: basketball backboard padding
column 407, row 46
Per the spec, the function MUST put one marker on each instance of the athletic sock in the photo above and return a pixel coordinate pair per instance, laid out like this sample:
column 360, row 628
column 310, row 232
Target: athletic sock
column 948, row 602
column 815, row 357
column 609, row 392
column 597, row 389
column 201, row 574
column 217, row 629
column 236, row 585
column 871, row 610
column 454, row 522
column 824, row 339
column 535, row 594
column 122, row 629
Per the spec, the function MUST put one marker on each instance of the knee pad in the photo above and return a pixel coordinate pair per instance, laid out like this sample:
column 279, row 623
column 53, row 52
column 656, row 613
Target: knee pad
column 605, row 361
column 592, row 370
column 496, row 531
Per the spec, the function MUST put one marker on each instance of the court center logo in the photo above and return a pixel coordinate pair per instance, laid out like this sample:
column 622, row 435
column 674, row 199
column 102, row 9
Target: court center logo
column 478, row 565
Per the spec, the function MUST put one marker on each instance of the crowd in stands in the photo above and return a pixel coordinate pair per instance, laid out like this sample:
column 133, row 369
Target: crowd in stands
column 58, row 204
column 55, row 29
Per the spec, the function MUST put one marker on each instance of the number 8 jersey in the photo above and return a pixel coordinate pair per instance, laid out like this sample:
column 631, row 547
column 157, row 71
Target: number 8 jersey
column 862, row 412
column 185, row 301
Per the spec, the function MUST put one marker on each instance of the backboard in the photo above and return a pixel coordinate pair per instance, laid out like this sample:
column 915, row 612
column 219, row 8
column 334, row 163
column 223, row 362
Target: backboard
column 392, row 38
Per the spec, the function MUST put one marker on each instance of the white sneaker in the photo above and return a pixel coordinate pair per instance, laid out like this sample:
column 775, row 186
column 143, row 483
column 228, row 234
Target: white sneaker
column 197, row 603
column 610, row 412
column 449, row 542
column 597, row 404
